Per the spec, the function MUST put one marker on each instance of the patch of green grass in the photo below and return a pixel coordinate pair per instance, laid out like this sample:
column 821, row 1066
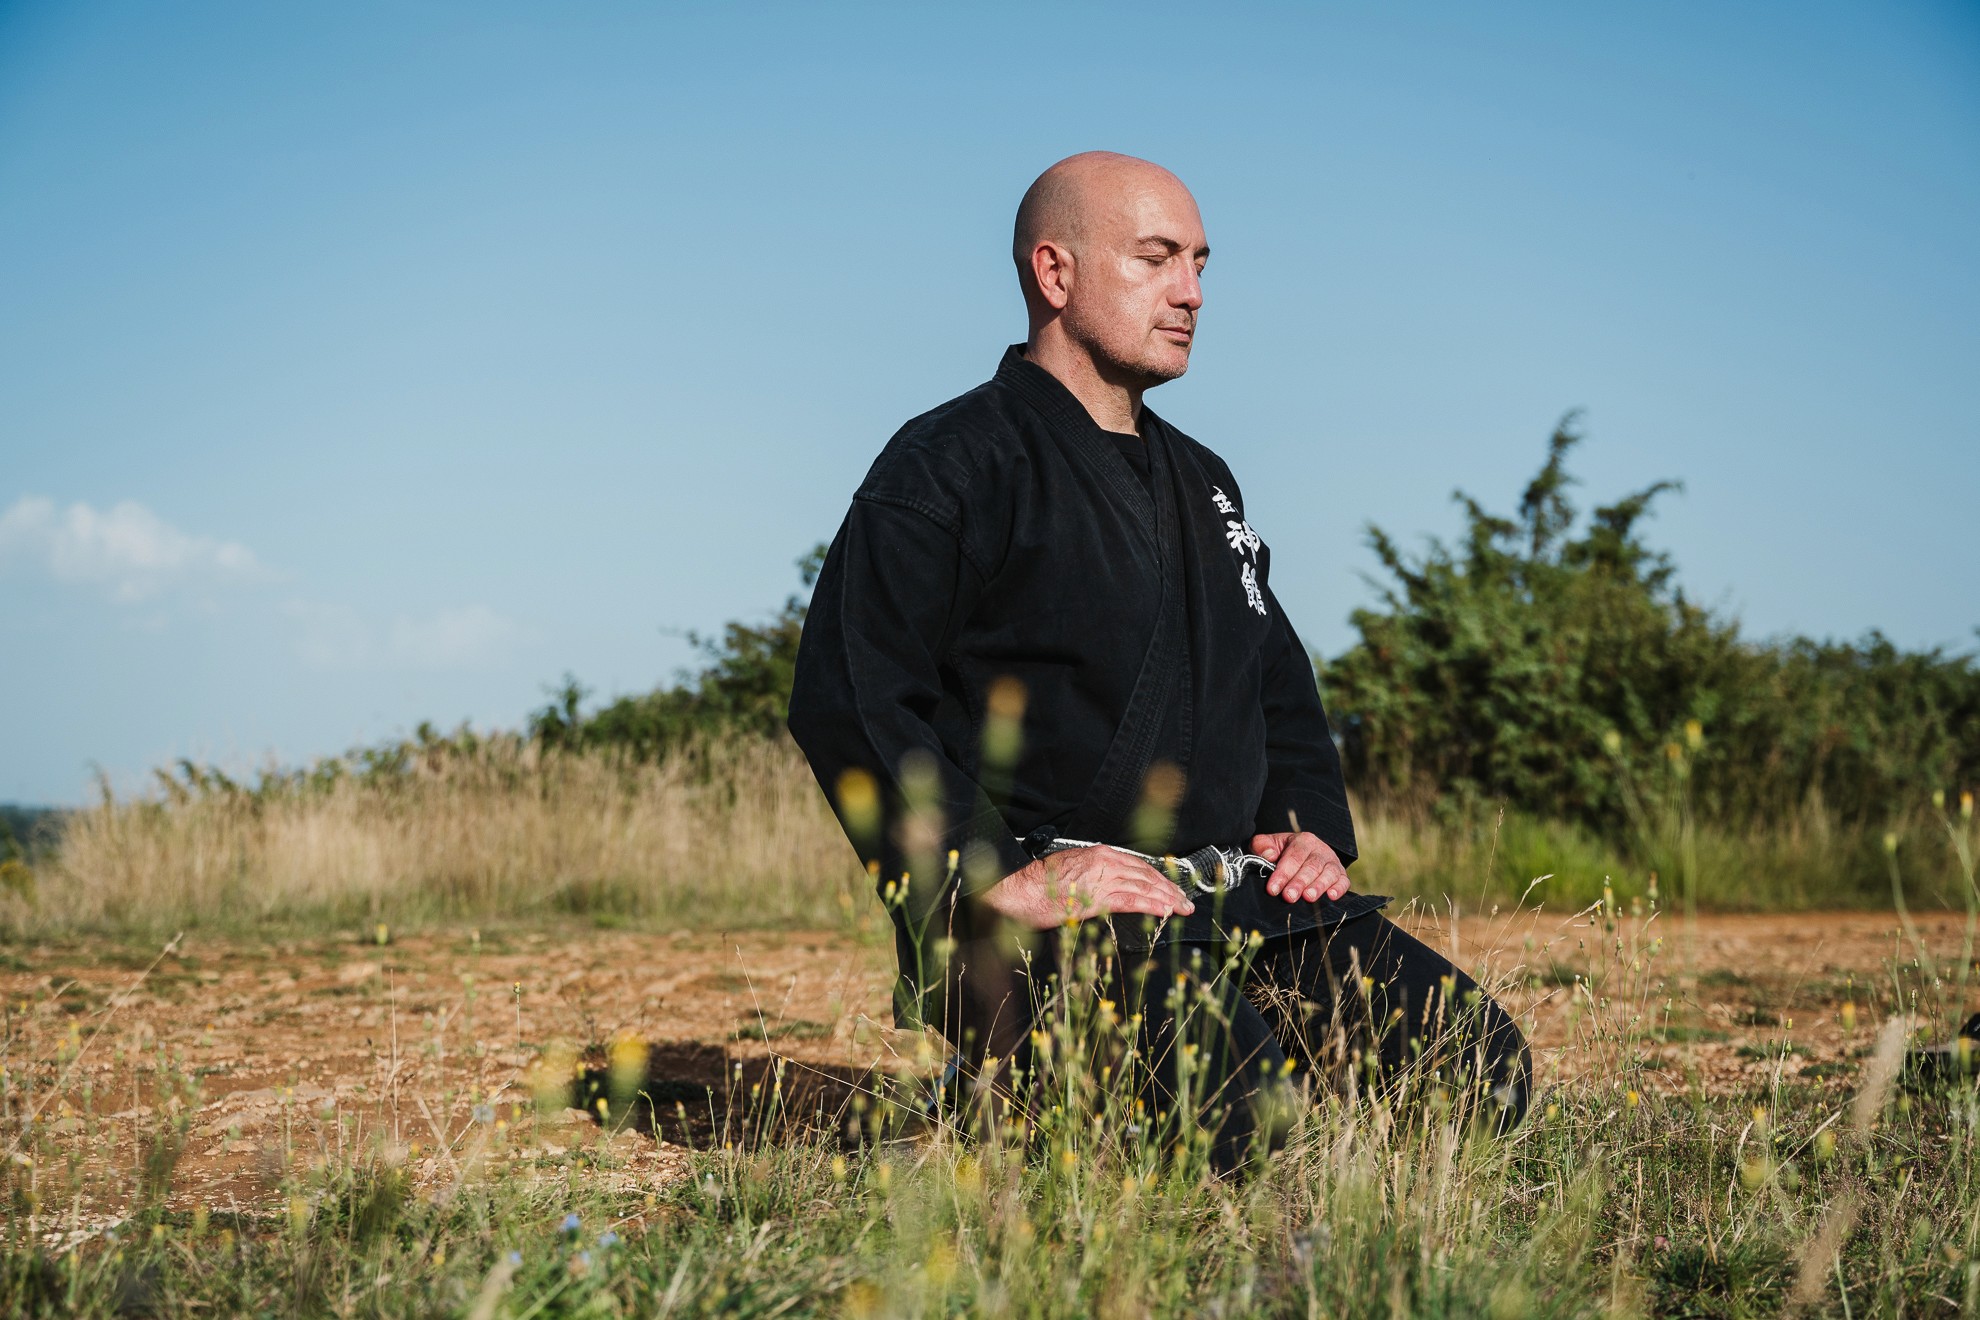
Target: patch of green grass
column 795, row 1029
column 1678, row 1034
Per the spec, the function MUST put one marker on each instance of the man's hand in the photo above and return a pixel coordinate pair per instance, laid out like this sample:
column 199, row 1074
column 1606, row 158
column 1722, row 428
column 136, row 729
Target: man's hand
column 1084, row 882
column 1306, row 867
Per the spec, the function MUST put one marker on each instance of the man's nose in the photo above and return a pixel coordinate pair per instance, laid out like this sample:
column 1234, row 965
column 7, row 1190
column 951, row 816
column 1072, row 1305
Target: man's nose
column 1188, row 291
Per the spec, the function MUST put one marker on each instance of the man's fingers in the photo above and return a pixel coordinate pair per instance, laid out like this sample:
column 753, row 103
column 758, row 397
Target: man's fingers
column 1301, row 867
column 1311, row 870
column 1331, row 882
column 1136, row 896
column 1162, row 884
column 1137, row 887
column 1158, row 891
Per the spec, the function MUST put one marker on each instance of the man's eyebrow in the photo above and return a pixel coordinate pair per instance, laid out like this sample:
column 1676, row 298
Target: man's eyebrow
column 1157, row 240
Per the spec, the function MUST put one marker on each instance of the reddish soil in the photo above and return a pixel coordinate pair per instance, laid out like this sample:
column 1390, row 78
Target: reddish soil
column 290, row 1051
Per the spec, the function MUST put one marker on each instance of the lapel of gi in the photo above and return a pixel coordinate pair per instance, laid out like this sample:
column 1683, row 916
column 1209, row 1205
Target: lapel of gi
column 1076, row 427
column 1117, row 785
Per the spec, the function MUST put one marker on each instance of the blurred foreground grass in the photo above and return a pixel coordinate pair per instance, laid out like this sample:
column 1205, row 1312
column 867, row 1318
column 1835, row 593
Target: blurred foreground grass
column 1633, row 1188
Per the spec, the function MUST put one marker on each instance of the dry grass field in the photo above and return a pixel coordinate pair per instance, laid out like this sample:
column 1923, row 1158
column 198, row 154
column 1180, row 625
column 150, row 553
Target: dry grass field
column 267, row 1064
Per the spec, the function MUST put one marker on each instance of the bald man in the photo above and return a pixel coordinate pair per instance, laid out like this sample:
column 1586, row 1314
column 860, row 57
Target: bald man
column 1050, row 694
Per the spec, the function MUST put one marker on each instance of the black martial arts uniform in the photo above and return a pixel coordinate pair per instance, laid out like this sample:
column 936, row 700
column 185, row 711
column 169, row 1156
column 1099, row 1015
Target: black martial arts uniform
column 1005, row 535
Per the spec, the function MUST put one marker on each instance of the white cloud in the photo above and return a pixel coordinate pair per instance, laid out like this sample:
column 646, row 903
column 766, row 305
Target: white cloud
column 338, row 637
column 126, row 548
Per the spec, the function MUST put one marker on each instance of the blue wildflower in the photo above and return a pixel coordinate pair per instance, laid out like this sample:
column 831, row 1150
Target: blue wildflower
column 608, row 1239
column 570, row 1224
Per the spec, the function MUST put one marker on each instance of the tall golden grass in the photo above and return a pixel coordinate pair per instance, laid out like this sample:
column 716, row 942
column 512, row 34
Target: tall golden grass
column 733, row 832
column 736, row 833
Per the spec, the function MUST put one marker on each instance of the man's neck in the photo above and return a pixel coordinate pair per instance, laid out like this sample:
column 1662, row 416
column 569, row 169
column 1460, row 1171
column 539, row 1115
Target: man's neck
column 1113, row 405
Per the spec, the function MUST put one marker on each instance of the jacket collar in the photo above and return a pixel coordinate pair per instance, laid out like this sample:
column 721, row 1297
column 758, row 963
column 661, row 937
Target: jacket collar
column 1043, row 390
column 1060, row 407
column 1050, row 396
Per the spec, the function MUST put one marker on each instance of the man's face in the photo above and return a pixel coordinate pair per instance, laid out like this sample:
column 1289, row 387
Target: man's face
column 1135, row 289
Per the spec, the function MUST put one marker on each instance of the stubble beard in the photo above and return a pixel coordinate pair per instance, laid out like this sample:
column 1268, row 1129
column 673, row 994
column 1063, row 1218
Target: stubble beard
column 1148, row 366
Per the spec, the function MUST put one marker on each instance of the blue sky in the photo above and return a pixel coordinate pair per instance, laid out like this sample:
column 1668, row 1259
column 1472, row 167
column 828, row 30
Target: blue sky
column 364, row 364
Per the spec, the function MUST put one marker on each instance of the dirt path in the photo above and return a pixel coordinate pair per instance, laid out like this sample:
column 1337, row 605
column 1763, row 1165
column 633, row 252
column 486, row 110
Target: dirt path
column 284, row 1053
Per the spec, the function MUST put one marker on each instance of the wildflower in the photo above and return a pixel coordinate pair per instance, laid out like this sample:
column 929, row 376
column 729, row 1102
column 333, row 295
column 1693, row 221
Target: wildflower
column 1938, row 799
column 515, row 1258
column 1849, row 1015
column 838, row 1168
column 1612, row 743
column 484, row 1113
column 1694, row 734
column 1068, row 1159
column 1632, row 1099
column 1825, row 1146
column 940, row 1267
column 1891, row 843
column 570, row 1224
column 1966, row 806
column 382, row 933
column 859, row 798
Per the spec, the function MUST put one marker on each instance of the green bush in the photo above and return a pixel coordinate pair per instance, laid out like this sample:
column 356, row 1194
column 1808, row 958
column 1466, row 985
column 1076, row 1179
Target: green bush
column 1564, row 674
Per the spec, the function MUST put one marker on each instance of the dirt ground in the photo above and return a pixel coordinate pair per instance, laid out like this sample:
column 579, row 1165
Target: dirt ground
column 288, row 1052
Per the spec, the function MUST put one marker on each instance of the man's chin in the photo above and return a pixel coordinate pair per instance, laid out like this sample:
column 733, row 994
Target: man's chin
column 1166, row 362
column 1148, row 370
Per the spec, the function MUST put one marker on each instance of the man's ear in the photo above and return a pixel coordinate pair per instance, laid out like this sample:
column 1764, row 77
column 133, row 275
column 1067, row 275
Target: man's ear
column 1052, row 273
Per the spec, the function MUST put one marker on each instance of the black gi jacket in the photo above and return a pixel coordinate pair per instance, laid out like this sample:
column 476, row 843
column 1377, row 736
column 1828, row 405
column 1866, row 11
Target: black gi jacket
column 1005, row 534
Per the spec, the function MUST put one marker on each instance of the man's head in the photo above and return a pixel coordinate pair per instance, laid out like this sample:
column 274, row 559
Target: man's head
column 1108, row 251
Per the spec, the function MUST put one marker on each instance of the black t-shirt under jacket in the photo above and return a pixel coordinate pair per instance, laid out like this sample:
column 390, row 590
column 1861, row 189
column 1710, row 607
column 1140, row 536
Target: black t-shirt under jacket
column 1005, row 535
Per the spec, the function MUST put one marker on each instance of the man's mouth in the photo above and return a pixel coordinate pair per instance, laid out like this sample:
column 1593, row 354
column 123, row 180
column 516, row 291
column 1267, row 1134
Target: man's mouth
column 1182, row 333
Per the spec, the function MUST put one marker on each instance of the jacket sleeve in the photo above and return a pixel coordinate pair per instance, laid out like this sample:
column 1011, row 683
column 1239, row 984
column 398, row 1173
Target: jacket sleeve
column 891, row 597
column 1303, row 777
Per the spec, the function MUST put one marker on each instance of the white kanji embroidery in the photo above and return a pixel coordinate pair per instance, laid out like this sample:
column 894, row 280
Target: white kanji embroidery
column 1252, row 594
column 1241, row 537
column 1246, row 543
